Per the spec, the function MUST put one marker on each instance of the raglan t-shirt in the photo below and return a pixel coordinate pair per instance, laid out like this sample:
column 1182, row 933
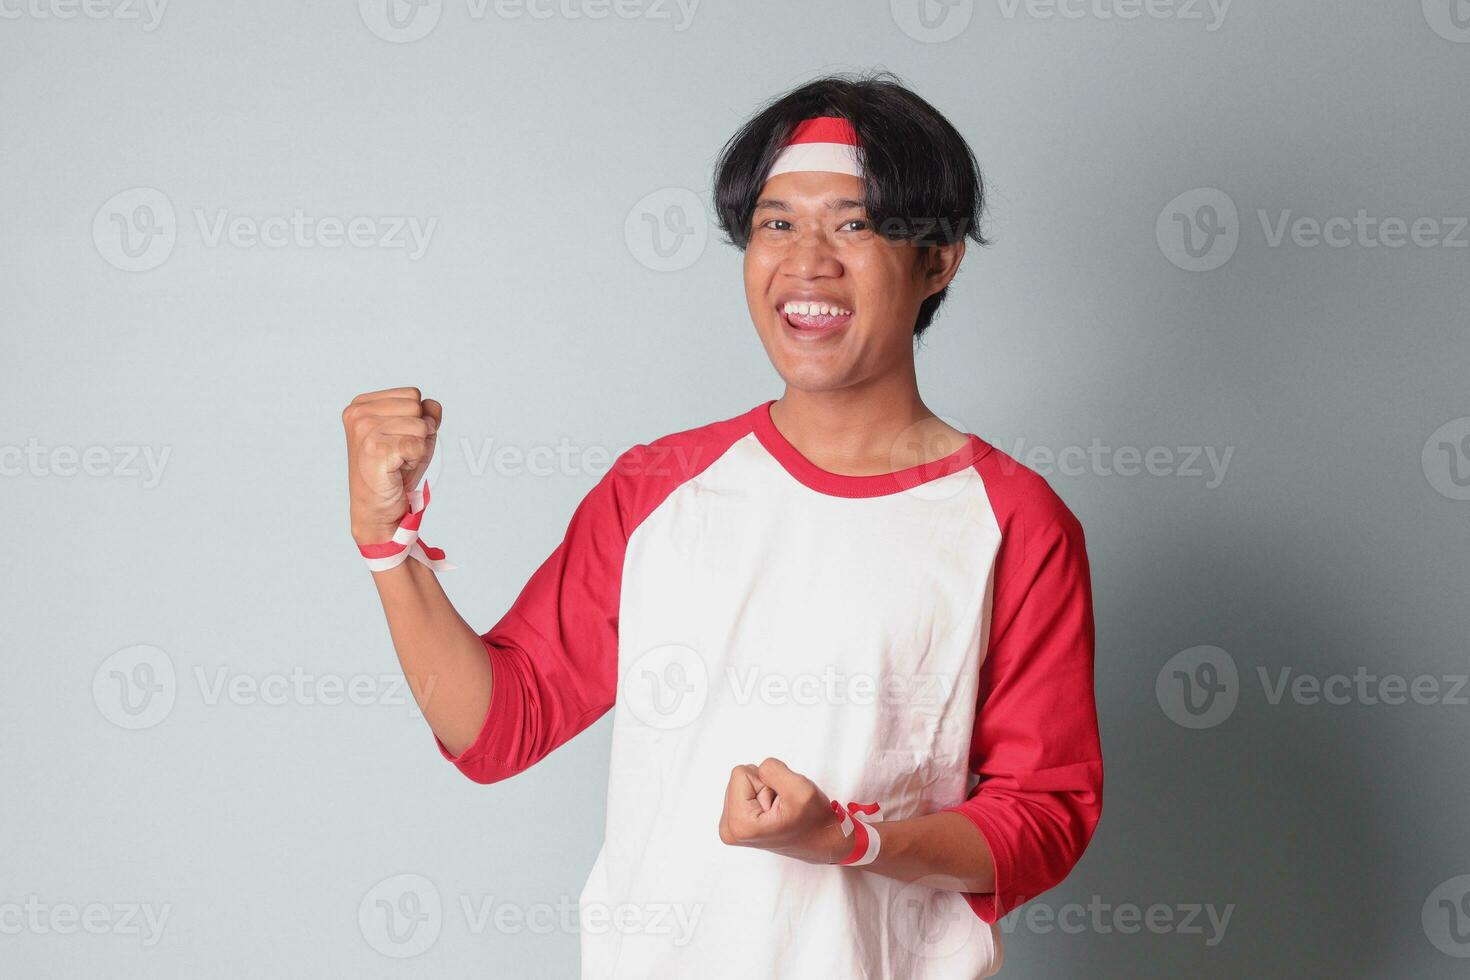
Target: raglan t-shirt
column 922, row 639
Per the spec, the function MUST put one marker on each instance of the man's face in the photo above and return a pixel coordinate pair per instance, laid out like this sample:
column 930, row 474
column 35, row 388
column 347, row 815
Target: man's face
column 811, row 246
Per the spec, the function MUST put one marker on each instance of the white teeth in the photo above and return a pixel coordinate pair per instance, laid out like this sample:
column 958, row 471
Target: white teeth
column 815, row 309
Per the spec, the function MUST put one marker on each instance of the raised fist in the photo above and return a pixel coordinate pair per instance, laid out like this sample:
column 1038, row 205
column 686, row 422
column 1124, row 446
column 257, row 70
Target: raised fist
column 772, row 808
column 390, row 440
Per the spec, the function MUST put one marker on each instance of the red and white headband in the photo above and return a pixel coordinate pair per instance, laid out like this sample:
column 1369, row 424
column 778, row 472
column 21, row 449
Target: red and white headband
column 826, row 143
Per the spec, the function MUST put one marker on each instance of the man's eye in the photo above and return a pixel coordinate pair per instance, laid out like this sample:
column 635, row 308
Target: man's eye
column 856, row 224
column 777, row 221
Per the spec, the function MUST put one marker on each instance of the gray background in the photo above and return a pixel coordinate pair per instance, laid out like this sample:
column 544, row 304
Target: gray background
column 545, row 313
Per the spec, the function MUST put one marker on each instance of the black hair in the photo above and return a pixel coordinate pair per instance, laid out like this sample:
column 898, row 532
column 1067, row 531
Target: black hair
column 923, row 182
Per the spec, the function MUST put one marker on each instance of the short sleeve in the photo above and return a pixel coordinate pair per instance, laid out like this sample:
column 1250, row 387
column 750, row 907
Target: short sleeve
column 1036, row 749
column 553, row 654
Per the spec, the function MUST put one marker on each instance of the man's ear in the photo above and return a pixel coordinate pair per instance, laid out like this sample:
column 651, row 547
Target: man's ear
column 940, row 263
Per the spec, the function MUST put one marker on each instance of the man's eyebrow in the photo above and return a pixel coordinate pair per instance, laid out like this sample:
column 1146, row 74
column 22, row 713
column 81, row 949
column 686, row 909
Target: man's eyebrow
column 840, row 204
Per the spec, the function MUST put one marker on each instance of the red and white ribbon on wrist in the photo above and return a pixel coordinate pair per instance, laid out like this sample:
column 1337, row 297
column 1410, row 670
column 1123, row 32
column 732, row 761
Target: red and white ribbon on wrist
column 405, row 543
column 855, row 824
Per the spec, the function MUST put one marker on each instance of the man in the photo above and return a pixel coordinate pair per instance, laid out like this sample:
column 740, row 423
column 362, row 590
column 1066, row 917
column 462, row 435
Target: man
column 849, row 648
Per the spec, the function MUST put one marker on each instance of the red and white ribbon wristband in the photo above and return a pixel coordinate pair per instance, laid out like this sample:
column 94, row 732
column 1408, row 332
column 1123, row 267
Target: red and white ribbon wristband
column 865, row 841
column 405, row 543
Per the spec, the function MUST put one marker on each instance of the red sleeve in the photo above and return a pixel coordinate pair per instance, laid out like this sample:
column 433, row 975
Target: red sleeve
column 1036, row 749
column 554, row 654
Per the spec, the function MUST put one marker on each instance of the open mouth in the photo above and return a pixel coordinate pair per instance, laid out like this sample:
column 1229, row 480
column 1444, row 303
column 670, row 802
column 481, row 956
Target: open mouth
column 814, row 319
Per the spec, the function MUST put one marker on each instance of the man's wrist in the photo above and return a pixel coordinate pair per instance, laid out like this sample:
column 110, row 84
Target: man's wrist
column 373, row 534
column 835, row 845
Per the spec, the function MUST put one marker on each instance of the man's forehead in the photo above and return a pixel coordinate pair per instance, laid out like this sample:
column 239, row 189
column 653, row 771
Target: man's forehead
column 811, row 190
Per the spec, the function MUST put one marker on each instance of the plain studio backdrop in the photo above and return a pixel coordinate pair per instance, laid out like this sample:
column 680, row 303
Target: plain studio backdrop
column 1225, row 314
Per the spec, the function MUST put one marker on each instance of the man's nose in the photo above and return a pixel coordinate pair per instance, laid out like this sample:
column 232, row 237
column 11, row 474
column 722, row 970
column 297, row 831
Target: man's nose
column 811, row 255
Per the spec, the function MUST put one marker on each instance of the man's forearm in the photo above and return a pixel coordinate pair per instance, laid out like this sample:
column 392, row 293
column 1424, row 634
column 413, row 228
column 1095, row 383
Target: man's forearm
column 768, row 806
column 946, row 849
column 442, row 657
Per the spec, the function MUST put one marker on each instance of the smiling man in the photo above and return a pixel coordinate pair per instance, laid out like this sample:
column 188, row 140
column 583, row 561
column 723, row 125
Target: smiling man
column 848, row 648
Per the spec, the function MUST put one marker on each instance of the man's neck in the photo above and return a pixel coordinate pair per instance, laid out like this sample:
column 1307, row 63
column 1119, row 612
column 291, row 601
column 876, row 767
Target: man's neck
column 861, row 431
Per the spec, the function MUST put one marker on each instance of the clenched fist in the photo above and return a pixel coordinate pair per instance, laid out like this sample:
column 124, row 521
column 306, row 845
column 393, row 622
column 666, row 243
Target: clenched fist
column 390, row 440
column 770, row 807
